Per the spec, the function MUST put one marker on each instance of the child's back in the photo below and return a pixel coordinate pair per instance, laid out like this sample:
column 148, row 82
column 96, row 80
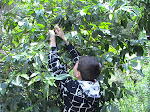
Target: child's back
column 80, row 95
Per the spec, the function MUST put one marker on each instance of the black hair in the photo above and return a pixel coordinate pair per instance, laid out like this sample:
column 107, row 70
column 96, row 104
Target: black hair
column 89, row 68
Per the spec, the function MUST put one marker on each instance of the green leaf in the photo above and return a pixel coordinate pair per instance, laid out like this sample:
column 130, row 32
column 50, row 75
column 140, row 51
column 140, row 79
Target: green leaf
column 127, row 8
column 114, row 42
column 139, row 50
column 109, row 59
column 10, row 2
column 42, row 55
column 120, row 44
column 96, row 33
column 104, row 25
column 34, row 43
column 3, row 87
column 94, row 1
column 111, row 95
column 134, row 64
column 42, row 37
column 17, row 81
column 17, row 57
column 103, row 109
column 30, row 12
column 140, row 72
column 137, row 10
column 114, row 88
column 126, row 67
column 39, row 12
column 25, row 76
column 62, row 76
column 8, row 58
column 29, row 108
column 14, row 104
column 46, row 91
column 34, row 74
column 113, row 108
column 38, row 60
column 48, row 79
column 122, row 53
column 106, row 46
column 106, row 94
column 116, row 17
column 35, row 79
column 36, row 109
column 55, row 109
column 41, row 26
column 110, row 16
column 113, row 84
column 128, row 92
column 108, row 56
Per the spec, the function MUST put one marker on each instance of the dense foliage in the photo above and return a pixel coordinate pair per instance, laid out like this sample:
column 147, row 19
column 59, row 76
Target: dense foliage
column 115, row 31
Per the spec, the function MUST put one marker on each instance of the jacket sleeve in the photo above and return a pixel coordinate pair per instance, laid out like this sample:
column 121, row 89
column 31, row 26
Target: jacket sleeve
column 74, row 53
column 54, row 63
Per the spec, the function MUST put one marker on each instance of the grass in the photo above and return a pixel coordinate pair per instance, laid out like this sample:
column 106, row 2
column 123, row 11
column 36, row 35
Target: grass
column 139, row 86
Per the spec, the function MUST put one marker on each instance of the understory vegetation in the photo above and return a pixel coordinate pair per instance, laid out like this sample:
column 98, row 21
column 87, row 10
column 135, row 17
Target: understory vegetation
column 116, row 32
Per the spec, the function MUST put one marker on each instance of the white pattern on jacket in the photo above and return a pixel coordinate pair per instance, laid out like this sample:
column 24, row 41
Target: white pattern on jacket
column 78, row 96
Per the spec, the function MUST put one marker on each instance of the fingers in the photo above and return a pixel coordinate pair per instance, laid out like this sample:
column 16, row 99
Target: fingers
column 57, row 28
column 51, row 32
column 59, row 32
column 56, row 31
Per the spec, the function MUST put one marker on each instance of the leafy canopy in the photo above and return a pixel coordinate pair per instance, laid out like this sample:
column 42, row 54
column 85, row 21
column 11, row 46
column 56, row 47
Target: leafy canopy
column 113, row 31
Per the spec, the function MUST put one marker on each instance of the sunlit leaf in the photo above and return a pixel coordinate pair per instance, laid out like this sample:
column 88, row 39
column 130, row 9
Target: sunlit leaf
column 41, row 25
column 34, row 74
column 25, row 76
column 62, row 76
column 114, row 31
column 35, row 79
column 137, row 10
column 10, row 2
column 34, row 43
column 42, row 55
column 110, row 16
column 42, row 37
column 3, row 87
column 17, row 81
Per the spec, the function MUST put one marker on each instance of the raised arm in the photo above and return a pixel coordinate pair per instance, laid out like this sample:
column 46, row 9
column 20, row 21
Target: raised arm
column 54, row 59
column 74, row 53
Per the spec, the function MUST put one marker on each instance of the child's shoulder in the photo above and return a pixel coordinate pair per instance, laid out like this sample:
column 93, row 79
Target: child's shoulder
column 70, row 84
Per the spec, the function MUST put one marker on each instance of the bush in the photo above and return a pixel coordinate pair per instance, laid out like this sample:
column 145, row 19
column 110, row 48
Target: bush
column 97, row 27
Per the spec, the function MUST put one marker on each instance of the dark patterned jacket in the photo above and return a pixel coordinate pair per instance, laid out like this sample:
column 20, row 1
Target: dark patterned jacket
column 78, row 96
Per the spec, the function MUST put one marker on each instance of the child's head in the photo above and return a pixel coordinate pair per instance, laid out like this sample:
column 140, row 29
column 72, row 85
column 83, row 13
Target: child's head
column 87, row 68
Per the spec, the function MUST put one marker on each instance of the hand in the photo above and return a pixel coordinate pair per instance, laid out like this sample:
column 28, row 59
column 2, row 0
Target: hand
column 60, row 33
column 52, row 33
column 52, row 38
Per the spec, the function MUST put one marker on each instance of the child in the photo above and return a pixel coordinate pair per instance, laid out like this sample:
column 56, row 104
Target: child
column 80, row 95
